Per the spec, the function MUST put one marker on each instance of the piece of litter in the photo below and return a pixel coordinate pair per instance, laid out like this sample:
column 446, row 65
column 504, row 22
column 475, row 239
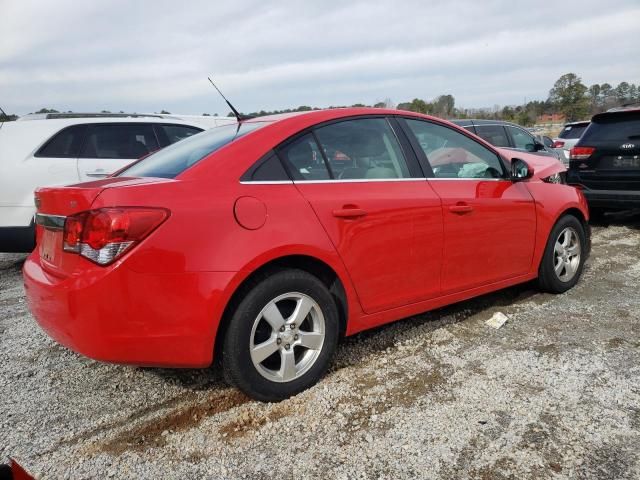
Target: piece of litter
column 497, row 320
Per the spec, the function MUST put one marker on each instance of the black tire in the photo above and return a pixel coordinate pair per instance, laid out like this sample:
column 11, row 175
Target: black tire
column 237, row 364
column 548, row 279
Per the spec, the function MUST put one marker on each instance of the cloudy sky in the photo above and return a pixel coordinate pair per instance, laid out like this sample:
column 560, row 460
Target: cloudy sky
column 152, row 55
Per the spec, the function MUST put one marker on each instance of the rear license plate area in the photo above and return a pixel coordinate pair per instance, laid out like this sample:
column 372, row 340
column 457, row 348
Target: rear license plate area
column 620, row 162
column 49, row 251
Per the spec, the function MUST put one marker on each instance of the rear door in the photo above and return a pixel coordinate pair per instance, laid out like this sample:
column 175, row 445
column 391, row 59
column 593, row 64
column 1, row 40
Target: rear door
column 489, row 221
column 371, row 197
column 110, row 146
column 56, row 162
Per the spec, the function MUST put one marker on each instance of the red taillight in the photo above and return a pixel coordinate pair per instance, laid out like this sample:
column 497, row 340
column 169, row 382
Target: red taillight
column 581, row 153
column 558, row 144
column 103, row 235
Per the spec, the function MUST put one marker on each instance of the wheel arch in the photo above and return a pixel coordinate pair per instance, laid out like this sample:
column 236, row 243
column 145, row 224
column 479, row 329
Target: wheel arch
column 584, row 220
column 308, row 263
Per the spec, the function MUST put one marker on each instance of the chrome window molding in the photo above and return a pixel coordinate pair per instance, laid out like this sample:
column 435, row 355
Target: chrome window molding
column 362, row 180
column 265, row 182
column 475, row 179
column 52, row 222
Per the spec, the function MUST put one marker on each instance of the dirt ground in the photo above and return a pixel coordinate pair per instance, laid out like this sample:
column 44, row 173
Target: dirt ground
column 554, row 393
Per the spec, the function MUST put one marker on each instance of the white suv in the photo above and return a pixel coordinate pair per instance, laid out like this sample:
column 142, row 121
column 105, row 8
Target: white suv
column 59, row 149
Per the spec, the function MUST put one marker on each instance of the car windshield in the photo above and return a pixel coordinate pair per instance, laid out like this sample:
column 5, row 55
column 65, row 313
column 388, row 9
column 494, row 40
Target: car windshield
column 573, row 131
column 174, row 159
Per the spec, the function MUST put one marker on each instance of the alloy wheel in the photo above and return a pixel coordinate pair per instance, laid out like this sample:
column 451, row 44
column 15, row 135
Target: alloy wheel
column 287, row 337
column 566, row 254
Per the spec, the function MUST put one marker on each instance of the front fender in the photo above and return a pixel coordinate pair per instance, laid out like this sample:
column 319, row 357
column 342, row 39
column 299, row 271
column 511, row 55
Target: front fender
column 552, row 201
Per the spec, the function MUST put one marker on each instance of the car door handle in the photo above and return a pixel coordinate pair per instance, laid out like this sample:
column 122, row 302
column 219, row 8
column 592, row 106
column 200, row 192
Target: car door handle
column 97, row 173
column 461, row 208
column 349, row 212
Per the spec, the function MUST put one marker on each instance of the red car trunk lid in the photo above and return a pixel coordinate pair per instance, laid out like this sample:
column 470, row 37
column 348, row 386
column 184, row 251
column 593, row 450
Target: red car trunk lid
column 55, row 203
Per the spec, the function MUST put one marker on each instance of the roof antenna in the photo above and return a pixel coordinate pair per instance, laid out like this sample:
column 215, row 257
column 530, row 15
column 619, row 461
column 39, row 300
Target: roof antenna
column 237, row 114
column 4, row 116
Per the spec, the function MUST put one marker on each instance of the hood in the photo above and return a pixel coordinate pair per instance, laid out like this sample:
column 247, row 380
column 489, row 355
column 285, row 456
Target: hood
column 542, row 166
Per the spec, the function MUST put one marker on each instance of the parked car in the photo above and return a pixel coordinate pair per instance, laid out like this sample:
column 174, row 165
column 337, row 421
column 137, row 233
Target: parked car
column 568, row 137
column 261, row 243
column 605, row 163
column 57, row 149
column 507, row 135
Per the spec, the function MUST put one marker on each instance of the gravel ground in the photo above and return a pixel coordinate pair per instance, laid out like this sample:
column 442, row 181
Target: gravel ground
column 554, row 393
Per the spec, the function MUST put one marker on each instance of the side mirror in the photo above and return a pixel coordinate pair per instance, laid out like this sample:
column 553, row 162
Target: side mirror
column 539, row 146
column 520, row 170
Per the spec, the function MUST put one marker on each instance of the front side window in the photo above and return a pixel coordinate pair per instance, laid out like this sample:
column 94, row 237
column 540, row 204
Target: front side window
column 494, row 134
column 122, row 141
column 452, row 154
column 64, row 144
column 522, row 139
column 174, row 159
column 362, row 149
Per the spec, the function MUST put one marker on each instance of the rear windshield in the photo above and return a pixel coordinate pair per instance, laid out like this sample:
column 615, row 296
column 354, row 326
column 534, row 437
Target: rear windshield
column 175, row 159
column 614, row 128
column 573, row 131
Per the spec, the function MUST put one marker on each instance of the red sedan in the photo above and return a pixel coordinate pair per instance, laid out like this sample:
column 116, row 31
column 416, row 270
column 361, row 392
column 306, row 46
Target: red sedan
column 257, row 243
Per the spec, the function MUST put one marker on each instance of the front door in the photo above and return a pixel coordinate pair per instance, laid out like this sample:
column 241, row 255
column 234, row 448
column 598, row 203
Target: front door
column 384, row 220
column 489, row 221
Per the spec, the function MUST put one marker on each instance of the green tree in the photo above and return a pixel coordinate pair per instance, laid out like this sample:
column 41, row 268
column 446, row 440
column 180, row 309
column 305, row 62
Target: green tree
column 594, row 97
column 568, row 96
column 47, row 110
column 444, row 105
column 622, row 93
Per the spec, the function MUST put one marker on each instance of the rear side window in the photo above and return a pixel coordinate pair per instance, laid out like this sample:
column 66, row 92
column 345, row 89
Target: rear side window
column 174, row 159
column 119, row 141
column 175, row 133
column 494, row 134
column 613, row 128
column 304, row 159
column 64, row 144
column 363, row 149
column 573, row 131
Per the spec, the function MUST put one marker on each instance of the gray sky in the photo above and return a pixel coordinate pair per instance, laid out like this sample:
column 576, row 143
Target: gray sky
column 149, row 55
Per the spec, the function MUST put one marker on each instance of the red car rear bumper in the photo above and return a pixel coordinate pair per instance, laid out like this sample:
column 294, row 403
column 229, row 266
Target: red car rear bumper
column 170, row 320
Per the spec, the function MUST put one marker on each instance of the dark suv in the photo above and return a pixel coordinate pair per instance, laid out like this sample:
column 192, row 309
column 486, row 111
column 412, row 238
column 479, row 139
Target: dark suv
column 605, row 162
column 507, row 135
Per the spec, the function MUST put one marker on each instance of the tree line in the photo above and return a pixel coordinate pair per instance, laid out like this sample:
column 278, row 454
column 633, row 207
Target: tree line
column 568, row 96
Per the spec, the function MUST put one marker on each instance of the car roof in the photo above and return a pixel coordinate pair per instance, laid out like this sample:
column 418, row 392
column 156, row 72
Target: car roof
column 311, row 118
column 626, row 112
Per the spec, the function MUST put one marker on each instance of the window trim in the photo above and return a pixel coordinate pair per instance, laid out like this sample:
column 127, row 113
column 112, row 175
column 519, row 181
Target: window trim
column 505, row 171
